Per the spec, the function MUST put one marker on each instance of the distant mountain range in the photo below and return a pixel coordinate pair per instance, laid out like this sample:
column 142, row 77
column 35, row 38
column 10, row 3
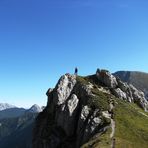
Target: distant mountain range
column 4, row 106
column 138, row 79
column 16, row 125
column 10, row 111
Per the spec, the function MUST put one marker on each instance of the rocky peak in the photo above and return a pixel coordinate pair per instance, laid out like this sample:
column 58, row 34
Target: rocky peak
column 34, row 109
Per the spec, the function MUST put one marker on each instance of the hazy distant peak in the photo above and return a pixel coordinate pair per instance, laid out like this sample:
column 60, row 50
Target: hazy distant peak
column 4, row 106
column 35, row 109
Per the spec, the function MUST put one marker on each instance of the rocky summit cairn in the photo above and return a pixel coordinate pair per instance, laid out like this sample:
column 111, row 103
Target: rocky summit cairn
column 81, row 108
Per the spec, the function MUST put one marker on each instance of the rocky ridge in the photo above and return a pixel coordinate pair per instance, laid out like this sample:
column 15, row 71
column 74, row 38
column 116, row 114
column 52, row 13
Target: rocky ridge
column 136, row 78
column 82, row 108
column 122, row 89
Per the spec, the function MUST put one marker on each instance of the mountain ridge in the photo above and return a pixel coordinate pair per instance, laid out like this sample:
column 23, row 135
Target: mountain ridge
column 13, row 111
column 16, row 125
column 4, row 106
column 83, row 112
column 17, row 132
column 137, row 78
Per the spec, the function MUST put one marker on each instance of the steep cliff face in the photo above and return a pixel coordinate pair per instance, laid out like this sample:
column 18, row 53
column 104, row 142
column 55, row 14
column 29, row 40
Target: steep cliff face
column 81, row 109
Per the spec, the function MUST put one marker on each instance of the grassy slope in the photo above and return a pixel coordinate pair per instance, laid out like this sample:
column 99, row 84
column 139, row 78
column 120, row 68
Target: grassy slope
column 131, row 126
column 102, row 141
column 101, row 101
column 131, row 129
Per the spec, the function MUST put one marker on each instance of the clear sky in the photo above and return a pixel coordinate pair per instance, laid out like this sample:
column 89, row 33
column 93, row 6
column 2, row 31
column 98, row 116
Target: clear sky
column 42, row 39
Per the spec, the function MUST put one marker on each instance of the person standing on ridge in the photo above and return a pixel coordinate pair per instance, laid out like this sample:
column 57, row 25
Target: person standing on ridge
column 76, row 71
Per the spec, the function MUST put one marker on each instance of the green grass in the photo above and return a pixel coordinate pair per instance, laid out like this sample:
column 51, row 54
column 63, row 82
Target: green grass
column 102, row 141
column 99, row 100
column 93, row 79
column 82, row 80
column 131, row 126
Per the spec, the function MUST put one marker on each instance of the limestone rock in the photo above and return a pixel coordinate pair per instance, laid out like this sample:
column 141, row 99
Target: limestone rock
column 119, row 93
column 72, row 104
column 107, row 78
column 64, row 88
column 92, row 125
column 139, row 97
column 123, row 86
column 66, row 114
column 84, row 113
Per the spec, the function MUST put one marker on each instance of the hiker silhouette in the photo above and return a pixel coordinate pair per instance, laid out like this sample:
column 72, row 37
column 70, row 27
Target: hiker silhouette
column 76, row 71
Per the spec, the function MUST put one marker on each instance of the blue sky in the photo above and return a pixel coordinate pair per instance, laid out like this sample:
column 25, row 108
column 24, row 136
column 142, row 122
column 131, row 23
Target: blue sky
column 41, row 40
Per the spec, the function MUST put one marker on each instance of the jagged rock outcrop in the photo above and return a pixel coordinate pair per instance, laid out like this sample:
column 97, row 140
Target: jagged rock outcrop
column 107, row 78
column 139, row 97
column 121, row 89
column 68, row 120
column 80, row 108
column 136, row 78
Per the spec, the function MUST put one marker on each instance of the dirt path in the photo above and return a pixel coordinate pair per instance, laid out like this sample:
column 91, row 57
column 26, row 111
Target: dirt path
column 113, row 129
column 112, row 125
column 143, row 114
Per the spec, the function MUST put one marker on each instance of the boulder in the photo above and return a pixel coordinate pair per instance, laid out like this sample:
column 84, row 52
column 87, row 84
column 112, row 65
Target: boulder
column 63, row 88
column 119, row 93
column 107, row 78
column 122, row 85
